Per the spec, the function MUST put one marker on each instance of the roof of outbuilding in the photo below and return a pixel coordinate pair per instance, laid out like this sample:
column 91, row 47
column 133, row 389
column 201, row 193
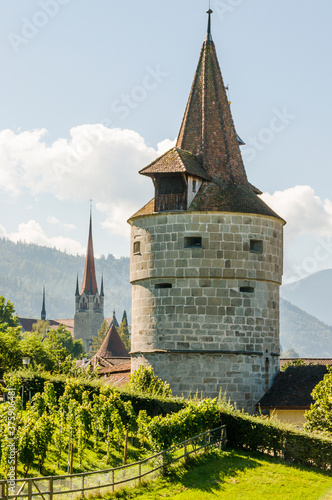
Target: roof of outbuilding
column 292, row 388
column 176, row 161
column 306, row 361
column 112, row 346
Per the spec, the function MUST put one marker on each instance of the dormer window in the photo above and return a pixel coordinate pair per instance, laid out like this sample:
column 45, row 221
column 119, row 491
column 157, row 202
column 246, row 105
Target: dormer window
column 170, row 193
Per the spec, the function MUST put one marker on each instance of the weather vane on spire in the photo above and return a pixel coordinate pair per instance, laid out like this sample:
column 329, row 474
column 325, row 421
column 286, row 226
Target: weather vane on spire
column 209, row 12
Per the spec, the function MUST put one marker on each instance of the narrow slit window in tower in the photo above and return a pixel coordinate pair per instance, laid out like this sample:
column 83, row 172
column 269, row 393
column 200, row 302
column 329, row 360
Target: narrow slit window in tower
column 247, row 289
column 163, row 285
column 137, row 247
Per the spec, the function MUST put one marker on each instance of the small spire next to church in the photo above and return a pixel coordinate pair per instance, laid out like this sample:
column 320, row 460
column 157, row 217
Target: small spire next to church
column 208, row 35
column 102, row 286
column 43, row 311
column 77, row 288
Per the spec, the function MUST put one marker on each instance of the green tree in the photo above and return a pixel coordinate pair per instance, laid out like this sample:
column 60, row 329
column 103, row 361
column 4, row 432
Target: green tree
column 98, row 339
column 319, row 417
column 124, row 333
column 144, row 380
column 7, row 317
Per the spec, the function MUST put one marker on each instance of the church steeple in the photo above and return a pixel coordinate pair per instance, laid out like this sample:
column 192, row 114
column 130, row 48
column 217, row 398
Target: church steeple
column 207, row 128
column 89, row 285
column 43, row 311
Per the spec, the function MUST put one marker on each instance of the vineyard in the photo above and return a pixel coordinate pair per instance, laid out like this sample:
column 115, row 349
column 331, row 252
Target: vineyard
column 83, row 430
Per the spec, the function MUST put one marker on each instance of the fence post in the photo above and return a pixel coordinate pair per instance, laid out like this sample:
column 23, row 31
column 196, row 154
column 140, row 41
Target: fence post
column 82, row 486
column 163, row 463
column 50, row 487
column 139, row 474
column 29, row 489
column 112, row 475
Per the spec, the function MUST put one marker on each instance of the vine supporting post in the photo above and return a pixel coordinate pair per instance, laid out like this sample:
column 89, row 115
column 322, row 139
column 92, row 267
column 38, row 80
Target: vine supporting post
column 30, row 489
column 112, row 488
column 50, row 487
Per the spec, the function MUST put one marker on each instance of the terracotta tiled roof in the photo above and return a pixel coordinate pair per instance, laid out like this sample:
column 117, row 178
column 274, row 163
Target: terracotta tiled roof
column 89, row 285
column 118, row 368
column 112, row 346
column 306, row 361
column 292, row 388
column 27, row 324
column 176, row 160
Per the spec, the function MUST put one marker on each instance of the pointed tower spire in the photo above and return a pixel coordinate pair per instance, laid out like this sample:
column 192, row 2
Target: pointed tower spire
column 102, row 286
column 43, row 311
column 89, row 285
column 208, row 35
column 207, row 128
column 77, row 287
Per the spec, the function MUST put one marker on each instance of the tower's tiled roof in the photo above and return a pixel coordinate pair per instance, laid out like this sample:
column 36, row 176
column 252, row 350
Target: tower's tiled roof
column 207, row 128
column 208, row 146
column 89, row 285
column 229, row 198
column 176, row 161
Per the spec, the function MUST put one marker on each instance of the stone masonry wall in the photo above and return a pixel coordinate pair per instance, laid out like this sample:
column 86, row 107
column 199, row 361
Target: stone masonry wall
column 208, row 318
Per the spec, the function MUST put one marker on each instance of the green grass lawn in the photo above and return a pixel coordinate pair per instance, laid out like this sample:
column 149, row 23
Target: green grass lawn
column 235, row 475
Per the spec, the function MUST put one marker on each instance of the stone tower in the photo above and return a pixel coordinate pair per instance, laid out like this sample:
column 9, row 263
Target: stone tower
column 206, row 258
column 89, row 304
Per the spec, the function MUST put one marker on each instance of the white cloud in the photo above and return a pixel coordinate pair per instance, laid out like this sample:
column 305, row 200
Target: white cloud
column 32, row 232
column 308, row 232
column 303, row 211
column 96, row 162
column 55, row 222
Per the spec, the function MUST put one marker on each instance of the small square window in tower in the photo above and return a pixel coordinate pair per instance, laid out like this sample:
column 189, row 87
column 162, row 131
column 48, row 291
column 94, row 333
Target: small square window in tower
column 256, row 246
column 137, row 247
column 193, row 242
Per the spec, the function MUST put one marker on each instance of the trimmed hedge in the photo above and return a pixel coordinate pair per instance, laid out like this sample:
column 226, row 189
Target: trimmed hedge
column 256, row 433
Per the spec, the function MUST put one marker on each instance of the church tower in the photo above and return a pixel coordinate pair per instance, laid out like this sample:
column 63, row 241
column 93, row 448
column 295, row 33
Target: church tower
column 206, row 258
column 89, row 304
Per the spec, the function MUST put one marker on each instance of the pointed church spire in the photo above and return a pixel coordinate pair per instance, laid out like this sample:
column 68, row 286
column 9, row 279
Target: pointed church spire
column 102, row 286
column 77, row 288
column 43, row 311
column 89, row 285
column 207, row 128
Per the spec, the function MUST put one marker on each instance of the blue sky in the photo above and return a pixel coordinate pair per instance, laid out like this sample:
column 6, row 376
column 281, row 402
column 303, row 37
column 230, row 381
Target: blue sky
column 93, row 91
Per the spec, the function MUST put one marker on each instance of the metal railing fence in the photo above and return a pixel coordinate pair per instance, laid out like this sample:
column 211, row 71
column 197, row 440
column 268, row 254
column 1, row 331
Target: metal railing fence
column 78, row 485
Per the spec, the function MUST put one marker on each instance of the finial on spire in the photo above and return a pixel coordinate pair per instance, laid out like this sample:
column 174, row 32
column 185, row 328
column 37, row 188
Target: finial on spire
column 208, row 35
